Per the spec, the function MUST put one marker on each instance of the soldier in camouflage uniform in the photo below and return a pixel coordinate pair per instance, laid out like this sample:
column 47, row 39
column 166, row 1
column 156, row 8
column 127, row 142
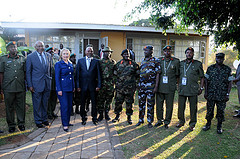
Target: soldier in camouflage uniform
column 127, row 74
column 76, row 94
column 218, row 83
column 12, row 74
column 52, row 101
column 105, row 95
column 148, row 84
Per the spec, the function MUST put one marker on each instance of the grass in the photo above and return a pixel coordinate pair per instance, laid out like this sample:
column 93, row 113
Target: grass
column 142, row 142
column 6, row 137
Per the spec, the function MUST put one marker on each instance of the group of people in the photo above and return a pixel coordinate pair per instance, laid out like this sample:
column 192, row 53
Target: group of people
column 100, row 79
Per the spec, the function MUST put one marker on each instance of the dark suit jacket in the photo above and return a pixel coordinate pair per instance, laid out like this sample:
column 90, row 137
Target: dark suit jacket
column 238, row 75
column 38, row 74
column 88, row 79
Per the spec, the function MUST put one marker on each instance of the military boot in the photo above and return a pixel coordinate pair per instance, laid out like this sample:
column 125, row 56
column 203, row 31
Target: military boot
column 129, row 119
column 100, row 117
column 116, row 118
column 77, row 111
column 207, row 126
column 219, row 127
column 107, row 116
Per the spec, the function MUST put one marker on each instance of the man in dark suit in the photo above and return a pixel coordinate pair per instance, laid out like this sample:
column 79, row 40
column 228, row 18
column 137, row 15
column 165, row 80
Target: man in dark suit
column 237, row 81
column 38, row 74
column 88, row 81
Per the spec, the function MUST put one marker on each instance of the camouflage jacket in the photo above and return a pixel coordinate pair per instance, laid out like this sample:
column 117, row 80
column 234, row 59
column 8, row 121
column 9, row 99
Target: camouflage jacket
column 148, row 72
column 107, row 68
column 218, row 80
column 126, row 76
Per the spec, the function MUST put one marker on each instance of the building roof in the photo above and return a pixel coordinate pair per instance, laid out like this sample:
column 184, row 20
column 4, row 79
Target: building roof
column 83, row 26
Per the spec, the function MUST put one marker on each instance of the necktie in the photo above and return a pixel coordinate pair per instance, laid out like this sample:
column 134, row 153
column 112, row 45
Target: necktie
column 43, row 62
column 88, row 63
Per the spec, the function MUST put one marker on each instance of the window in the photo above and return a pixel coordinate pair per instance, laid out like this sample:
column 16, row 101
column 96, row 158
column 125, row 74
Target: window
column 53, row 41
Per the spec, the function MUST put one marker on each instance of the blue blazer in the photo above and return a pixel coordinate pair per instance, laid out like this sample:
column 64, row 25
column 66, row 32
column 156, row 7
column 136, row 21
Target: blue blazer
column 64, row 76
column 88, row 79
column 38, row 75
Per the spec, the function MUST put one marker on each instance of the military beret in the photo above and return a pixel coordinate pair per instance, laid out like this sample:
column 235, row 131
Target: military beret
column 150, row 47
column 167, row 47
column 72, row 54
column 11, row 43
column 189, row 48
column 125, row 50
column 221, row 55
column 49, row 48
column 107, row 49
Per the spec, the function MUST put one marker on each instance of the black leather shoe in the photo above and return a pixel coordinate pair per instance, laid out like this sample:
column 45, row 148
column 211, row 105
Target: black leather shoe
column 158, row 124
column 50, row 117
column 39, row 125
column 139, row 123
column 55, row 115
column 166, row 126
column 83, row 122
column 191, row 128
column 219, row 131
column 116, row 118
column 95, row 122
column 21, row 127
column 46, row 123
column 206, row 128
column 66, row 130
column 150, row 125
column 237, row 115
column 11, row 130
column 179, row 125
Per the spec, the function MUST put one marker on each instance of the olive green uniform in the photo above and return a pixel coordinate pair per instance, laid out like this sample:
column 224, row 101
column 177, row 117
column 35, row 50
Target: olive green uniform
column 52, row 101
column 190, row 73
column 166, row 89
column 13, row 85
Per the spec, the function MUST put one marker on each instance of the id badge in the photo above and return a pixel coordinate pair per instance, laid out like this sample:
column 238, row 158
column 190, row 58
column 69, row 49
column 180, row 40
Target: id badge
column 165, row 79
column 184, row 81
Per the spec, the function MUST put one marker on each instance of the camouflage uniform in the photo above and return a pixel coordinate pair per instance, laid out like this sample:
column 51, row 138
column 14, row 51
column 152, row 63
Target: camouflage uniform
column 218, row 81
column 105, row 95
column 148, row 71
column 76, row 94
column 126, row 79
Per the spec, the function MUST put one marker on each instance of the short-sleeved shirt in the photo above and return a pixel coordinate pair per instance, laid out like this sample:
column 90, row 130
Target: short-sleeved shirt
column 126, row 76
column 170, row 70
column 218, row 80
column 13, row 69
column 192, row 71
column 148, row 73
column 107, row 68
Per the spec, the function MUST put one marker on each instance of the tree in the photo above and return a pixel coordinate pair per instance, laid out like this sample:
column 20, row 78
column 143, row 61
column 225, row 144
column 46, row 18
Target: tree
column 219, row 18
column 142, row 22
column 10, row 35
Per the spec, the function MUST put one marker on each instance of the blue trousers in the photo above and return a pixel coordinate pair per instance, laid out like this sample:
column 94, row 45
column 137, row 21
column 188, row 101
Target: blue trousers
column 65, row 107
column 40, row 103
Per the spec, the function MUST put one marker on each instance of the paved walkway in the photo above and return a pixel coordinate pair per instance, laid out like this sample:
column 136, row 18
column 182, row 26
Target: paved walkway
column 87, row 141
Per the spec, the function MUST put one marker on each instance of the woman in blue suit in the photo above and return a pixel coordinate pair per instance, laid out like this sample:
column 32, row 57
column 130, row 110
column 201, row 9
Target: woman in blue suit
column 65, row 87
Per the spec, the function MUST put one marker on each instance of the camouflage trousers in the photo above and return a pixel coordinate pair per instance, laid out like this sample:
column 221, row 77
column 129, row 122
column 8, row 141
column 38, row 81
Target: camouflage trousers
column 120, row 97
column 143, row 96
column 104, row 99
column 221, row 105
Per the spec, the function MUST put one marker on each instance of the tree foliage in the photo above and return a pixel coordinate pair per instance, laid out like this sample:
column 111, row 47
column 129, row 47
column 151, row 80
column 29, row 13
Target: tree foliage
column 220, row 18
column 10, row 35
column 142, row 22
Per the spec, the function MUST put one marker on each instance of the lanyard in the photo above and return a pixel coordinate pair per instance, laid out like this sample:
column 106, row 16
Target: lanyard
column 165, row 69
column 185, row 70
